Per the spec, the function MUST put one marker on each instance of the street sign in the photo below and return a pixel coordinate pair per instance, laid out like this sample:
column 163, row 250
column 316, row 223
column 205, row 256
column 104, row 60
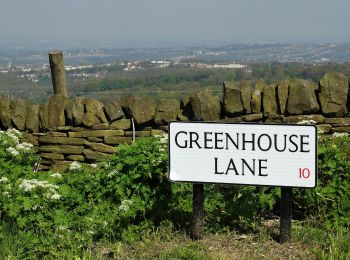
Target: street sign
column 283, row 155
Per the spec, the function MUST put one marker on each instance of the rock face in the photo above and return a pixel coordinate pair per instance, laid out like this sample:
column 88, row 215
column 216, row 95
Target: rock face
column 282, row 92
column 334, row 89
column 114, row 111
column 85, row 112
column 5, row 112
column 246, row 95
column 56, row 108
column 269, row 100
column 167, row 111
column 205, row 106
column 19, row 113
column 32, row 123
column 232, row 99
column 75, row 111
column 142, row 110
column 302, row 98
column 93, row 112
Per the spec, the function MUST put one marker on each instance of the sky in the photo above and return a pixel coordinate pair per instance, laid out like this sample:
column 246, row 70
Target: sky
column 144, row 23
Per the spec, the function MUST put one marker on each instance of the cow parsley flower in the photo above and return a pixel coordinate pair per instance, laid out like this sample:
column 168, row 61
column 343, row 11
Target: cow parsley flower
column 3, row 179
column 125, row 205
column 12, row 151
column 56, row 175
column 340, row 135
column 93, row 165
column 74, row 166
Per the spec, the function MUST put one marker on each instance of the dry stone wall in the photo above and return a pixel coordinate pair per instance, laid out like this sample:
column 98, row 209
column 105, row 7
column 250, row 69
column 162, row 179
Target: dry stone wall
column 83, row 129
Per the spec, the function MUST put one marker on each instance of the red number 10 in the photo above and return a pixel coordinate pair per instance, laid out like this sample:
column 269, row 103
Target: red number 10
column 304, row 173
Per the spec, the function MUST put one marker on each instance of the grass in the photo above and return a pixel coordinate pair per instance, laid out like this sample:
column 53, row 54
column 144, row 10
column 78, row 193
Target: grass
column 308, row 242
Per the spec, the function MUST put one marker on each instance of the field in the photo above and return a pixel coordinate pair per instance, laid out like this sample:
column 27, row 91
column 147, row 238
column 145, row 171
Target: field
column 125, row 208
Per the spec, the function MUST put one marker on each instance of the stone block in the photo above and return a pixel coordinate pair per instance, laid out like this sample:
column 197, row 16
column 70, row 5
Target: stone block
column 96, row 133
column 61, row 140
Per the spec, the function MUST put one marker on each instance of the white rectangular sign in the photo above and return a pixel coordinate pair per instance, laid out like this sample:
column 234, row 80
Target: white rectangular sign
column 252, row 154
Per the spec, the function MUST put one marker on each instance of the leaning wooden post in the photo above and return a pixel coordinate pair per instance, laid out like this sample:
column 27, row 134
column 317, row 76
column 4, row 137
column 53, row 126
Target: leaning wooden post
column 57, row 73
column 286, row 215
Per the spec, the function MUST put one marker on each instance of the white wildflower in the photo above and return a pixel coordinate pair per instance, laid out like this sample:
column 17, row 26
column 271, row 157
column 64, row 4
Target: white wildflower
column 55, row 196
column 340, row 135
column 105, row 223
column 24, row 146
column 90, row 232
column 93, row 165
column 6, row 194
column 29, row 185
column 307, row 122
column 56, row 175
column 74, row 166
column 113, row 172
column 3, row 179
column 12, row 151
column 163, row 139
column 125, row 205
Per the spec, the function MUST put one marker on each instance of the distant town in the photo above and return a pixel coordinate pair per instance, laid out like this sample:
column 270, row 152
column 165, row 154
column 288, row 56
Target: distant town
column 94, row 63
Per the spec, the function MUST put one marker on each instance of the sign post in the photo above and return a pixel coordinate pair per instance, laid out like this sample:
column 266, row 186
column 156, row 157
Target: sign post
column 198, row 211
column 244, row 154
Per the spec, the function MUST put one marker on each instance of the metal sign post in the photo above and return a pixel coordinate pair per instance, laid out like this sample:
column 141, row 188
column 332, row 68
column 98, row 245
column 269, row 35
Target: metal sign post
column 286, row 215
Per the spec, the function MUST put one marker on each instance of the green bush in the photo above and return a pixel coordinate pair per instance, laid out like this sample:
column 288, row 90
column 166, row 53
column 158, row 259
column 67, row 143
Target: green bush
column 47, row 213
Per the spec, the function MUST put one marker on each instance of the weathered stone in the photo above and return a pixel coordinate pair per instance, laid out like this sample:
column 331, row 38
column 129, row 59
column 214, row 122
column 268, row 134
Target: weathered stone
column 30, row 138
column 117, row 140
column 79, row 129
column 76, row 158
column 302, row 98
column 232, row 99
column 246, row 95
column 56, row 134
column 96, row 156
column 32, row 122
column 282, row 91
column 95, row 139
column 186, row 109
column 167, row 111
column 181, row 116
column 334, row 89
column 65, row 128
column 100, row 126
column 269, row 100
column 103, row 148
column 165, row 128
column 319, row 119
column 274, row 119
column 342, row 121
column 252, row 117
column 5, row 112
column 96, row 133
column 156, row 132
column 125, row 103
column 145, row 128
column 44, row 167
column 143, row 110
column 324, row 128
column 94, row 112
column 56, row 109
column 75, row 110
column 341, row 129
column 231, row 120
column 44, row 116
column 260, row 85
column 61, row 140
column 138, row 133
column 52, row 156
column 60, row 166
column 19, row 113
column 63, row 149
column 256, row 101
column 205, row 106
column 114, row 111
column 121, row 124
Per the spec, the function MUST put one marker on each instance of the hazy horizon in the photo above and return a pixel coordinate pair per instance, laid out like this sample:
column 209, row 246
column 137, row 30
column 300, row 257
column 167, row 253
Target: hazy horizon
column 164, row 23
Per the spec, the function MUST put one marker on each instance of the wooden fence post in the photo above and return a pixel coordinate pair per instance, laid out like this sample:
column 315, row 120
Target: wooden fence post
column 57, row 73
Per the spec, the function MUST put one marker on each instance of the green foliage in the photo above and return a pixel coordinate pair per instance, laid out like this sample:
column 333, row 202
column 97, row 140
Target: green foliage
column 50, row 214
